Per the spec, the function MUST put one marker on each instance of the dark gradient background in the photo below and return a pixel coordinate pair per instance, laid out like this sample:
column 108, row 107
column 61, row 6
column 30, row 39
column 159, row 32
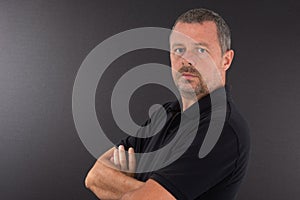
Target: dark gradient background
column 42, row 45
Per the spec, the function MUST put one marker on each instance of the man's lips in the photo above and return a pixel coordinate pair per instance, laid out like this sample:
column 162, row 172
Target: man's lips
column 189, row 75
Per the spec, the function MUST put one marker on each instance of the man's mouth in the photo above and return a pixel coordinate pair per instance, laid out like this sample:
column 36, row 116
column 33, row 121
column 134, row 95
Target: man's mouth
column 188, row 75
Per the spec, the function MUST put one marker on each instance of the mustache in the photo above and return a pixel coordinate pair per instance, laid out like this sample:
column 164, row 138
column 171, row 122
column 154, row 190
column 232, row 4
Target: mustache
column 190, row 70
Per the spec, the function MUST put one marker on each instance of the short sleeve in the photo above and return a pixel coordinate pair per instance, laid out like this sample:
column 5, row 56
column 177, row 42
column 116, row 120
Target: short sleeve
column 190, row 177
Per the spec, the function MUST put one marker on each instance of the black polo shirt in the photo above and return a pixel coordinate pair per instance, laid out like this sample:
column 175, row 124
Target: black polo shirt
column 218, row 175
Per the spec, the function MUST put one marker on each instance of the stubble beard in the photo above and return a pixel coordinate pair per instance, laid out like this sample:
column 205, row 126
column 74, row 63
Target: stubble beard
column 191, row 89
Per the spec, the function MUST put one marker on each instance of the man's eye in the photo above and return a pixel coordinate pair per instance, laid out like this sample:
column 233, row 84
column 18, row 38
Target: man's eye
column 201, row 50
column 179, row 51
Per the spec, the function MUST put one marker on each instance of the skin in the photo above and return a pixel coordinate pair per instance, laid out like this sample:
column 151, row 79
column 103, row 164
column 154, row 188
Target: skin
column 107, row 181
column 198, row 67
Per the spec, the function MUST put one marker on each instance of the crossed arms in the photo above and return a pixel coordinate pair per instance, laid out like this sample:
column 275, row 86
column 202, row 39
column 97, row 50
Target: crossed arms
column 106, row 180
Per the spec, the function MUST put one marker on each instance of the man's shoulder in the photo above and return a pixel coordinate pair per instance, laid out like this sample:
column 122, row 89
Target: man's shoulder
column 238, row 125
column 169, row 106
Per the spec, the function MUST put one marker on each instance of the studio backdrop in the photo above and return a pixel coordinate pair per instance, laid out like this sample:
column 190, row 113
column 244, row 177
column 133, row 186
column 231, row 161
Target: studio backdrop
column 44, row 43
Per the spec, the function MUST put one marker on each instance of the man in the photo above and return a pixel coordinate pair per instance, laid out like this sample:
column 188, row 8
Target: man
column 200, row 56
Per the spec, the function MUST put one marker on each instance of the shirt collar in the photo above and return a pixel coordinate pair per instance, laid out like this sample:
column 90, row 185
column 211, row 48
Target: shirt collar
column 219, row 96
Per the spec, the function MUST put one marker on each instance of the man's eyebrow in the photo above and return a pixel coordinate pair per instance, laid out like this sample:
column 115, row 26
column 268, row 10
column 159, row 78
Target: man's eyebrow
column 195, row 44
column 177, row 44
column 202, row 44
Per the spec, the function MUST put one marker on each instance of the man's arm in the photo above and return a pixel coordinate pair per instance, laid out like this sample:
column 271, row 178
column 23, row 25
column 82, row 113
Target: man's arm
column 149, row 191
column 107, row 182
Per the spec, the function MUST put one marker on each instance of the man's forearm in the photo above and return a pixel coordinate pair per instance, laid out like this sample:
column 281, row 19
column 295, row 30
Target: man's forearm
column 109, row 183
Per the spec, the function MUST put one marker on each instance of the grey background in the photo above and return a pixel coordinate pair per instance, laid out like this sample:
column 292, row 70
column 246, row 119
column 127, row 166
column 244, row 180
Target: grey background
column 42, row 44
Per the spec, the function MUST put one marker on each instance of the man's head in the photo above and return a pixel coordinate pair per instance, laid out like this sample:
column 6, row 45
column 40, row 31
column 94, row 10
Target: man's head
column 200, row 51
column 201, row 15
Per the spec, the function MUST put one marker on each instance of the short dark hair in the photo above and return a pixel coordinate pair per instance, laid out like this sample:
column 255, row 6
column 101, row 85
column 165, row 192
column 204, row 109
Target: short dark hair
column 200, row 15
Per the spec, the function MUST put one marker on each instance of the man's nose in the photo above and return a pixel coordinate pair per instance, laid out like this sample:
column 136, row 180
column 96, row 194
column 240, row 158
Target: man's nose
column 188, row 59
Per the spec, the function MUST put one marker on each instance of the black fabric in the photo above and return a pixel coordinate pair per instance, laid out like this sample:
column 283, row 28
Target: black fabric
column 216, row 176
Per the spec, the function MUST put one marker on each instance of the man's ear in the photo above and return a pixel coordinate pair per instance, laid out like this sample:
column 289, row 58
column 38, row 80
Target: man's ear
column 227, row 59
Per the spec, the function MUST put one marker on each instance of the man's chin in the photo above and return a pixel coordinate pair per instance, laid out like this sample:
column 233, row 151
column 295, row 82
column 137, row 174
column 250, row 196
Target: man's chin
column 188, row 92
column 191, row 92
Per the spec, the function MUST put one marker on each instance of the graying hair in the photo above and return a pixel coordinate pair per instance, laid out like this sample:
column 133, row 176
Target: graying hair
column 200, row 15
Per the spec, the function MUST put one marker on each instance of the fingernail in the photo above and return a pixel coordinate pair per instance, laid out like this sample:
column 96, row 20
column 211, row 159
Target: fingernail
column 130, row 150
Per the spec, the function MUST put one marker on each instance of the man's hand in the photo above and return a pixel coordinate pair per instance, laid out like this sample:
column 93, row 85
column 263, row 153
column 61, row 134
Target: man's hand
column 105, row 179
column 120, row 161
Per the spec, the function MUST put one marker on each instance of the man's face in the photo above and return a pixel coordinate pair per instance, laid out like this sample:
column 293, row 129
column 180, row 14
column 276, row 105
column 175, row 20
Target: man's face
column 196, row 58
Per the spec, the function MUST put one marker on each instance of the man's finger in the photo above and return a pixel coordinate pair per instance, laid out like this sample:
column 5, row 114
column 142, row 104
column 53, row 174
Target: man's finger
column 122, row 158
column 131, row 160
column 116, row 158
column 112, row 159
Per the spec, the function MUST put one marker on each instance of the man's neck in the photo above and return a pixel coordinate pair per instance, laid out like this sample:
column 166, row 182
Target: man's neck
column 188, row 101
